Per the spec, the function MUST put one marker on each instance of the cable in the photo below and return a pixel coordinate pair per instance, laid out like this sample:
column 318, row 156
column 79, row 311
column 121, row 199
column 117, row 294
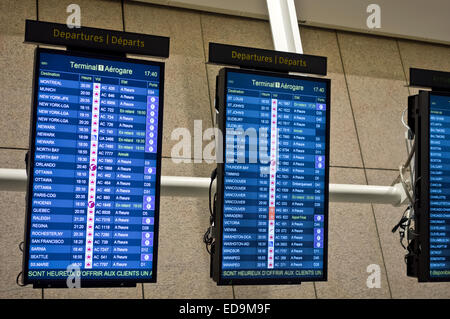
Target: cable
column 410, row 132
column 410, row 155
column 208, row 237
column 404, row 226
column 404, row 167
column 214, row 204
column 208, row 240
column 20, row 273
column 17, row 280
column 409, row 147
column 213, row 177
column 405, row 186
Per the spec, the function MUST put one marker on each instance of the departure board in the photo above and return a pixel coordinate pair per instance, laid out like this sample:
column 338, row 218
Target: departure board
column 439, row 186
column 273, row 185
column 94, row 171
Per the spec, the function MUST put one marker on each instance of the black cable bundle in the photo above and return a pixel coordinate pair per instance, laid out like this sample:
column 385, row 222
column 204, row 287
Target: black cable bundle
column 402, row 224
column 208, row 237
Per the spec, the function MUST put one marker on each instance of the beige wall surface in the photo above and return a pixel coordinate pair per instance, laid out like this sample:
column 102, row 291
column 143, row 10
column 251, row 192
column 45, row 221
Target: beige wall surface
column 369, row 93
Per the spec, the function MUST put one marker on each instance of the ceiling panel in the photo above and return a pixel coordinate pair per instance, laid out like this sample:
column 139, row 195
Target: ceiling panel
column 426, row 20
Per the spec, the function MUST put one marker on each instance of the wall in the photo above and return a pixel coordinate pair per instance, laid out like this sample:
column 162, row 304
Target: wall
column 369, row 92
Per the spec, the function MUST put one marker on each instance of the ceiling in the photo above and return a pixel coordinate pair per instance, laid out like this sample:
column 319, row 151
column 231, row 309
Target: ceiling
column 426, row 20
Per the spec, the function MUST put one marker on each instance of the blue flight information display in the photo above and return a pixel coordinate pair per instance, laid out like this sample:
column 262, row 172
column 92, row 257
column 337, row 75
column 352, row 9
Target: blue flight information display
column 275, row 187
column 94, row 172
column 439, row 187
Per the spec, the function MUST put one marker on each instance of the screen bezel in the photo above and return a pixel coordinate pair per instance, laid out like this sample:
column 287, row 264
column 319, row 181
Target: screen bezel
column 222, row 87
column 424, row 195
column 61, row 283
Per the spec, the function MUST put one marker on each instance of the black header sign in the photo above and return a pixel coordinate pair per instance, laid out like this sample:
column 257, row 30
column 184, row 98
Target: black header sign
column 96, row 39
column 266, row 59
column 429, row 78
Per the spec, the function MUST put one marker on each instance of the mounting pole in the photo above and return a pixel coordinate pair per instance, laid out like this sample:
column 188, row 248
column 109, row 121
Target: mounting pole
column 15, row 180
column 284, row 25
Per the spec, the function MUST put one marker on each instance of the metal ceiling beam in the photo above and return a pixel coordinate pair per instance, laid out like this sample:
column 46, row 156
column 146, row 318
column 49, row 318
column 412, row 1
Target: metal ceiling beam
column 284, row 26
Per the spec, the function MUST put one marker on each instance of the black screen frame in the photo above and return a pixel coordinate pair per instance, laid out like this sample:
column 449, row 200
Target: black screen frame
column 221, row 122
column 422, row 205
column 87, row 283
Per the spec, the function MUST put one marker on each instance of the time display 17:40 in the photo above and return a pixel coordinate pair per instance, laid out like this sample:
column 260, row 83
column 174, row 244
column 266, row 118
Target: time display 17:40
column 319, row 89
column 152, row 74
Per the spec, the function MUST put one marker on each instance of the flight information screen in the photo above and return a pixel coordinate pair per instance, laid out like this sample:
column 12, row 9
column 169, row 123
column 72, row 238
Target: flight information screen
column 439, row 187
column 275, row 178
column 93, row 192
